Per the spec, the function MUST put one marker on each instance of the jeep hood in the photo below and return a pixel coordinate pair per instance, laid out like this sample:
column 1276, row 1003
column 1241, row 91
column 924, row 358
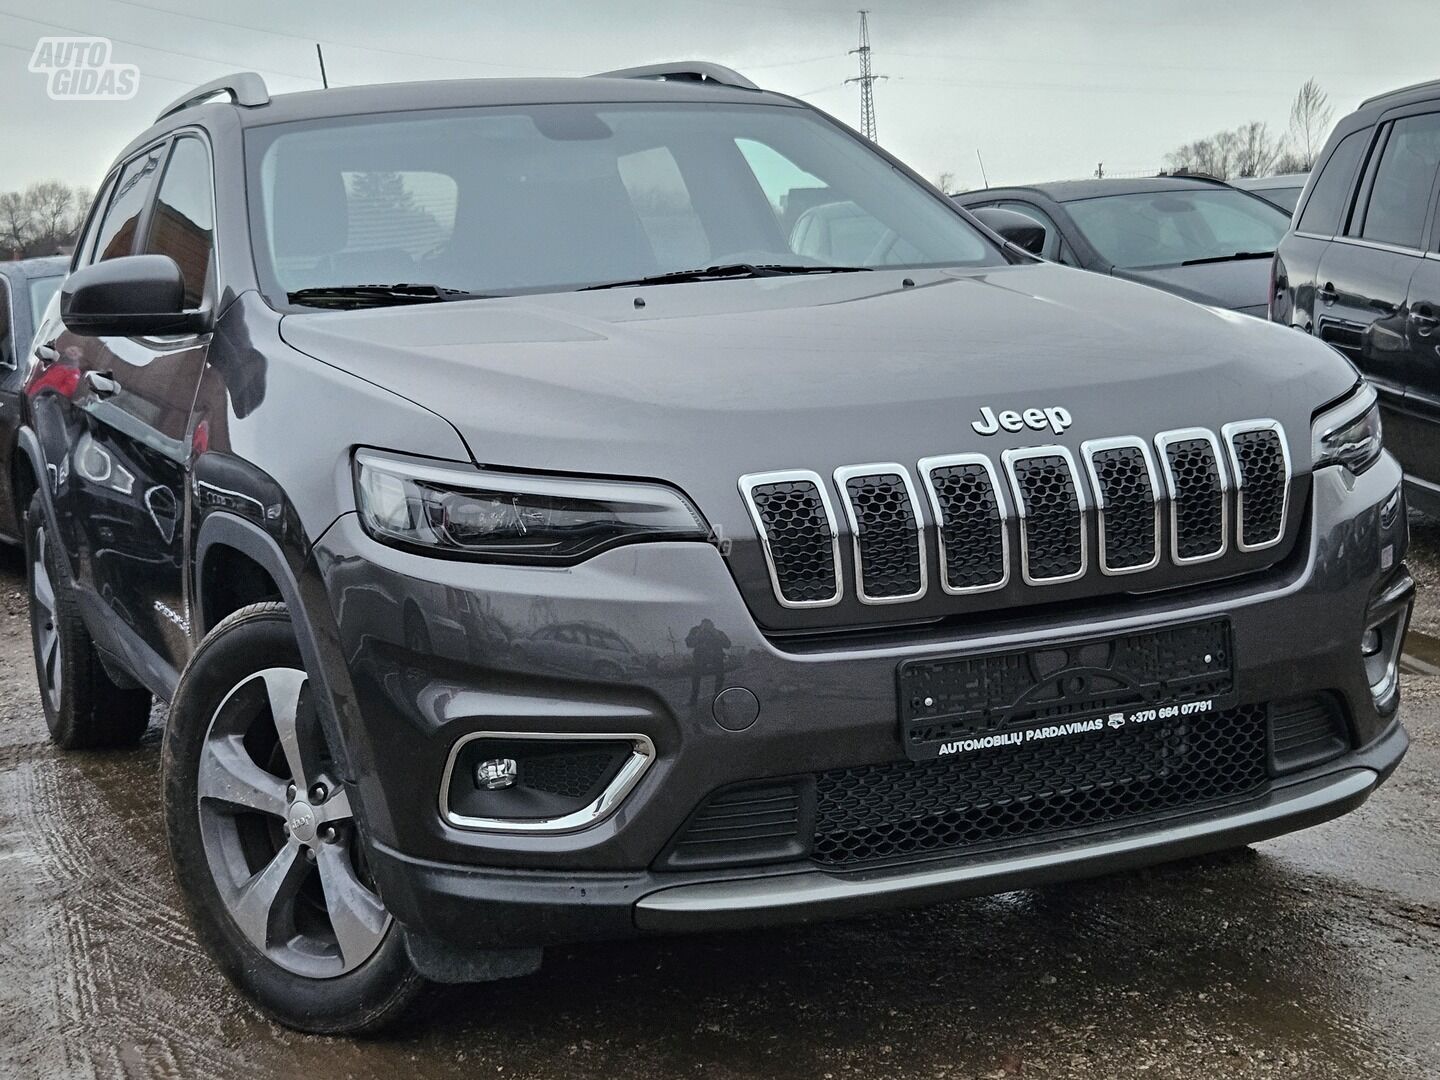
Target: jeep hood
column 709, row 381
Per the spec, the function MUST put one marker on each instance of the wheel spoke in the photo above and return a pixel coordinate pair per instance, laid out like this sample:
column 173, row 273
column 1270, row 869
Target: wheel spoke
column 284, row 686
column 265, row 897
column 356, row 914
column 228, row 775
column 44, row 591
column 336, row 808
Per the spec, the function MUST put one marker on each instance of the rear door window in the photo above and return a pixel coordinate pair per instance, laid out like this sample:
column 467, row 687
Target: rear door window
column 183, row 225
column 1404, row 178
column 119, row 230
column 1331, row 193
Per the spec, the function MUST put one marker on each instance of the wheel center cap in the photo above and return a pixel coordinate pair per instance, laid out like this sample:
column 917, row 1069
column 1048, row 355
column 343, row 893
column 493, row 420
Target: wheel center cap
column 302, row 822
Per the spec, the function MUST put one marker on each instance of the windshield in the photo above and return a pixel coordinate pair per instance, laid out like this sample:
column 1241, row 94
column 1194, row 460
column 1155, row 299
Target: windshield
column 41, row 290
column 558, row 197
column 1167, row 228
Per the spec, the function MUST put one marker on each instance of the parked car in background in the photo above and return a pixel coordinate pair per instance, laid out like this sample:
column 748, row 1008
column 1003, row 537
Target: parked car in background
column 1361, row 268
column 1283, row 190
column 25, row 289
column 1193, row 236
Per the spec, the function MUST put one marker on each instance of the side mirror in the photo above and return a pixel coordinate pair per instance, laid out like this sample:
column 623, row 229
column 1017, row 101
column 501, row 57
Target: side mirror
column 132, row 296
column 1020, row 229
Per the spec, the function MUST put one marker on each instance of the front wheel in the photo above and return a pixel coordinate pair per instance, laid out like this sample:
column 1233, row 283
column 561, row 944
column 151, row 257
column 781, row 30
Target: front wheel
column 264, row 843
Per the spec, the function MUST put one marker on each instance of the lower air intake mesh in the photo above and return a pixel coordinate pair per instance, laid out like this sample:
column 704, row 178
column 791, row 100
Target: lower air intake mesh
column 989, row 798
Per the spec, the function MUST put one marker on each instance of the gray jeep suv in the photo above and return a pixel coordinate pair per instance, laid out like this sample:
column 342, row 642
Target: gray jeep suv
column 538, row 539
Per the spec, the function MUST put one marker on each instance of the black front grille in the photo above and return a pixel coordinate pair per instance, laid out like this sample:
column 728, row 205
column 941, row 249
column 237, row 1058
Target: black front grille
column 1198, row 510
column 887, row 535
column 989, row 798
column 1127, row 508
column 1261, row 485
column 797, row 531
column 1053, row 528
column 972, row 530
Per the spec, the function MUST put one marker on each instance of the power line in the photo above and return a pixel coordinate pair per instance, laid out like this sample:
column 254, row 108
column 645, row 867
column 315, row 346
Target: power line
column 343, row 44
column 307, row 76
column 866, row 79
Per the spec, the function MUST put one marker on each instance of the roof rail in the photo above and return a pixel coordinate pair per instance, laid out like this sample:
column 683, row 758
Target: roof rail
column 244, row 87
column 701, row 71
column 1402, row 90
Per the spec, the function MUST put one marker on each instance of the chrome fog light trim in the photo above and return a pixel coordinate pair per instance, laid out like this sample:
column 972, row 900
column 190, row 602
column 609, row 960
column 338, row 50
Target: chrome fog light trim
column 642, row 755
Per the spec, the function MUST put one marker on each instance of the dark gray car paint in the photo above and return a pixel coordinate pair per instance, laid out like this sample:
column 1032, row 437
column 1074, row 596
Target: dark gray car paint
column 709, row 381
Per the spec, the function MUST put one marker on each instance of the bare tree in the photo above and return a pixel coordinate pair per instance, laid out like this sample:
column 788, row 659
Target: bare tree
column 1256, row 150
column 1310, row 117
column 945, row 182
column 1215, row 156
column 16, row 227
column 51, row 206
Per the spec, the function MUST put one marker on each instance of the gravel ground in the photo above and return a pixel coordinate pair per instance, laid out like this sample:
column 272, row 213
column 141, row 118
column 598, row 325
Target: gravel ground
column 1317, row 955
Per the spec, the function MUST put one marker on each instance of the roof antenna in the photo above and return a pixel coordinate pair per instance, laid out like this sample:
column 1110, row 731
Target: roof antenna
column 982, row 168
column 324, row 79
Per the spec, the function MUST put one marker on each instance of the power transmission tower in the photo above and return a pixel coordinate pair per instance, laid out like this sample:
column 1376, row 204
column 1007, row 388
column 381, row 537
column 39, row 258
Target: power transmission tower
column 866, row 79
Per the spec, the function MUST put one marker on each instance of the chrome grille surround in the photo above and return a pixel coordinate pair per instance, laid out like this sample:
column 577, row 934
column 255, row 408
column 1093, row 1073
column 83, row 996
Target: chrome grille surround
column 1229, row 433
column 931, row 465
column 748, row 485
column 1163, row 442
column 1013, row 458
column 844, row 477
column 1089, row 450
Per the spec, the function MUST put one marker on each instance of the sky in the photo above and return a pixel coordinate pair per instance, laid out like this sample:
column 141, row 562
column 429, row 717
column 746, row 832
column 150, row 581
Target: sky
column 1037, row 89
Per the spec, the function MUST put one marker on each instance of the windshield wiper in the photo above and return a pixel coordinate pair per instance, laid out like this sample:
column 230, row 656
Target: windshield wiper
column 1233, row 257
column 355, row 296
column 726, row 271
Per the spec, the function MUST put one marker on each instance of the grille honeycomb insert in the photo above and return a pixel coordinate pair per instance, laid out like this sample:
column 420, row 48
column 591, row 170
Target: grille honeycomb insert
column 1052, row 526
column 798, row 534
column 1197, row 508
column 971, row 525
column 1129, row 537
column 899, row 810
column 1261, row 479
column 887, row 534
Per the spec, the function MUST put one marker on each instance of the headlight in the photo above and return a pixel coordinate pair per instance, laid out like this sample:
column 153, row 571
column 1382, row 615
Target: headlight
column 1349, row 433
column 511, row 517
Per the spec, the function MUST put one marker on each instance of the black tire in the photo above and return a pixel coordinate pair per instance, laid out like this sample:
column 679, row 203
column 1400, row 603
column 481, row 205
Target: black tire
column 361, row 1000
column 84, row 709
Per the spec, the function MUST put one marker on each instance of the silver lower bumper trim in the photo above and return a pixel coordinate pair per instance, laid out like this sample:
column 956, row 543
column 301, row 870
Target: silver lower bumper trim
column 813, row 893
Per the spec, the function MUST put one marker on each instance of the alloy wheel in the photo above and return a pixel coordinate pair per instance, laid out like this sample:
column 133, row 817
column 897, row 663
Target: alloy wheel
column 279, row 834
column 43, row 613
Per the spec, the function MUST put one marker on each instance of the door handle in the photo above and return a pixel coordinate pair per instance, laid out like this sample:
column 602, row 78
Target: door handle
column 46, row 354
column 101, row 382
column 1425, row 321
column 1326, row 294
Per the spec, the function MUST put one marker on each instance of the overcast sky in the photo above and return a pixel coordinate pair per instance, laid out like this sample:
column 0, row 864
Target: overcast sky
column 1043, row 89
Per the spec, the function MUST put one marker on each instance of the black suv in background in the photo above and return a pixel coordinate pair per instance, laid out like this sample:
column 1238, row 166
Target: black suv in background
column 26, row 288
column 540, row 540
column 1360, row 268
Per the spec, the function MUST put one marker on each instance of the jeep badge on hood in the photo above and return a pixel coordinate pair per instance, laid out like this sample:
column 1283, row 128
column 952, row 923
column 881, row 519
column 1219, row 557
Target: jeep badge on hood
column 1056, row 418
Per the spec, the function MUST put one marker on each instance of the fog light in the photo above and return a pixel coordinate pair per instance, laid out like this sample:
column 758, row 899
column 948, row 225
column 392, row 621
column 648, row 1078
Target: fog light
column 1370, row 642
column 496, row 774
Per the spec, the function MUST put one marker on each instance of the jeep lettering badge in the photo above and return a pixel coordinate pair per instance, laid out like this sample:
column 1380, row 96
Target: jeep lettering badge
column 1056, row 418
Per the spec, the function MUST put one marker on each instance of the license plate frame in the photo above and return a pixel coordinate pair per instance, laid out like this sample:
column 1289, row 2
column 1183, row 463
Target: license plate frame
column 989, row 700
